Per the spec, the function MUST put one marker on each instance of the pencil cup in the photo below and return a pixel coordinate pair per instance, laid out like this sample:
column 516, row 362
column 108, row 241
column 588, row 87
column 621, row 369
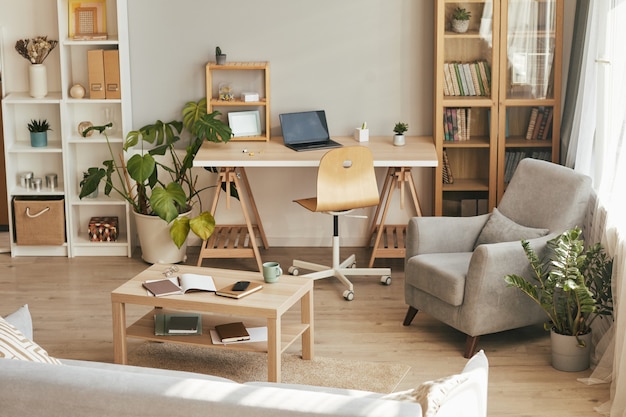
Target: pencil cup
column 271, row 272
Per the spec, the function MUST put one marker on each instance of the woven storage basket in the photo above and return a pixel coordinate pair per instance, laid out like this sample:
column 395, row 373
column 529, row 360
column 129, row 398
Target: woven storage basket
column 39, row 222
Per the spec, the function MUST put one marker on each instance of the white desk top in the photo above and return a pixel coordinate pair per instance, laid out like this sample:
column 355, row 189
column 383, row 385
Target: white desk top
column 419, row 151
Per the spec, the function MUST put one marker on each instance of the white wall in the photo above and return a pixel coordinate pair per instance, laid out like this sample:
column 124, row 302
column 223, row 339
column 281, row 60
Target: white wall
column 357, row 59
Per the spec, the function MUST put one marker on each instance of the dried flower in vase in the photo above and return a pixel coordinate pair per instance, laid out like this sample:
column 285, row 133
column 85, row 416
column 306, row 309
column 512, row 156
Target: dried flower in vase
column 35, row 50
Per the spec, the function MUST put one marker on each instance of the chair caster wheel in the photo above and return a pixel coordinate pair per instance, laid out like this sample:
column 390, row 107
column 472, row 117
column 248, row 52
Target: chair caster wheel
column 385, row 280
column 293, row 270
column 348, row 295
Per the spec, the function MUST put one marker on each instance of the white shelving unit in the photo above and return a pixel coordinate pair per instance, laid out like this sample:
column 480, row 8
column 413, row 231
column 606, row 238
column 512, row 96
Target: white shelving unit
column 68, row 154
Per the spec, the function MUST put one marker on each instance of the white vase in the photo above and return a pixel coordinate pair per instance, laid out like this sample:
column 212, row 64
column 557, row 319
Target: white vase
column 155, row 241
column 38, row 80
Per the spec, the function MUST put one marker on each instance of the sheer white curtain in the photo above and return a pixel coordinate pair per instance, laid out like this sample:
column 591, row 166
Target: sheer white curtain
column 600, row 130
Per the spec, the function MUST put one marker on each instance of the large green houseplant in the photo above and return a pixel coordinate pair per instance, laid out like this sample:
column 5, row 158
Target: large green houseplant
column 157, row 178
column 572, row 285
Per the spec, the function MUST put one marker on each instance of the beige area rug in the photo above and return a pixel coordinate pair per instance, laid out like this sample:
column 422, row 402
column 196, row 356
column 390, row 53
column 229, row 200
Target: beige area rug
column 382, row 377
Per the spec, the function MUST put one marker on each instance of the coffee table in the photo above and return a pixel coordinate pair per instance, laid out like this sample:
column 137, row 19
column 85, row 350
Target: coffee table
column 265, row 307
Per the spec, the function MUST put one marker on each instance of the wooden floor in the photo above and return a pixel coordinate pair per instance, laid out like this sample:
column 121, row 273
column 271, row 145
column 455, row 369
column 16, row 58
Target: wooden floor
column 70, row 303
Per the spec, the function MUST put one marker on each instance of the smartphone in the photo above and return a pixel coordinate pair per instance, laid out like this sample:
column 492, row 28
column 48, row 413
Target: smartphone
column 241, row 285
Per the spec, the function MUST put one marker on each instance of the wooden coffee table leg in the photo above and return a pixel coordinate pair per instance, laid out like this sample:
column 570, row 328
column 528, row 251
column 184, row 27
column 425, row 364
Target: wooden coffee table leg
column 119, row 333
column 307, row 318
column 273, row 349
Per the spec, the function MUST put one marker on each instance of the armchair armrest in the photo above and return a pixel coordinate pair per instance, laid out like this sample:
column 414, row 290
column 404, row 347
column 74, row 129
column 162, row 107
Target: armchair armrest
column 443, row 234
column 494, row 305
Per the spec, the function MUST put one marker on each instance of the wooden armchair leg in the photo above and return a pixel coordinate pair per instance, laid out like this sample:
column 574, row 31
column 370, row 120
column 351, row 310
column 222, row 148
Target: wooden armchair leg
column 410, row 315
column 471, row 342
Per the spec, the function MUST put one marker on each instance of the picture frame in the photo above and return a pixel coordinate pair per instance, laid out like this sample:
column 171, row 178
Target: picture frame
column 87, row 20
column 245, row 123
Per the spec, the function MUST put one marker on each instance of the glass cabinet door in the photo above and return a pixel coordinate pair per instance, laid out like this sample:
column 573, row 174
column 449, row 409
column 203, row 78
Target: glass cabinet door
column 530, row 47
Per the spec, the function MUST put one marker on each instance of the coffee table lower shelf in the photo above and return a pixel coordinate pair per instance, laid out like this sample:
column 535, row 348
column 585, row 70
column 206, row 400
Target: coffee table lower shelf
column 144, row 329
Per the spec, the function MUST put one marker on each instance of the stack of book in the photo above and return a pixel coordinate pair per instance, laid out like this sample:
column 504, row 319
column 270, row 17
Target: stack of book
column 177, row 324
column 512, row 159
column 539, row 124
column 457, row 123
column 466, row 79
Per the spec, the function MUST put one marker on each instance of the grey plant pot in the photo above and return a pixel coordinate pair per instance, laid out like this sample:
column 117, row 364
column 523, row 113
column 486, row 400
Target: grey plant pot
column 460, row 26
column 220, row 59
column 567, row 355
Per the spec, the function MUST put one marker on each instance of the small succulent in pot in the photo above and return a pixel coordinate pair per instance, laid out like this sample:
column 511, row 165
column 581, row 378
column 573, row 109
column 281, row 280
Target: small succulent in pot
column 220, row 57
column 38, row 126
column 460, row 19
column 400, row 128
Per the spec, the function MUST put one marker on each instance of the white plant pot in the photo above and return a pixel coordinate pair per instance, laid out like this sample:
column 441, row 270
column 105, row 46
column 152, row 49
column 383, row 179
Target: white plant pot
column 460, row 26
column 37, row 80
column 567, row 355
column 398, row 140
column 156, row 243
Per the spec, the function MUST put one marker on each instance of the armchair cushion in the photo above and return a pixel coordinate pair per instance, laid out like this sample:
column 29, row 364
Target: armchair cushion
column 450, row 270
column 500, row 228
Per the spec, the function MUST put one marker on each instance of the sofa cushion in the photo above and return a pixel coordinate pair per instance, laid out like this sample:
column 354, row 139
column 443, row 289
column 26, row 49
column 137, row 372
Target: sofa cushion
column 14, row 345
column 460, row 394
column 22, row 320
column 500, row 228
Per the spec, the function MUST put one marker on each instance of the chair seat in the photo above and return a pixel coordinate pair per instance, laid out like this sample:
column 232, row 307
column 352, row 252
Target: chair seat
column 308, row 203
column 441, row 275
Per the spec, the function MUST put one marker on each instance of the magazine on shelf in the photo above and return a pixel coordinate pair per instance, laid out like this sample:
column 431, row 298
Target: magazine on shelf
column 177, row 324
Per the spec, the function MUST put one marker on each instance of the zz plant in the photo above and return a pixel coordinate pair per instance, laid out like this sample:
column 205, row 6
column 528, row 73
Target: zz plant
column 573, row 286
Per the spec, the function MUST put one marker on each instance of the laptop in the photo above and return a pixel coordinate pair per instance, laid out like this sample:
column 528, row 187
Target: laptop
column 305, row 131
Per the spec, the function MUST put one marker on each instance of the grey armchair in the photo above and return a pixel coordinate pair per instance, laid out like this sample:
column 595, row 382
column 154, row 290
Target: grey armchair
column 454, row 266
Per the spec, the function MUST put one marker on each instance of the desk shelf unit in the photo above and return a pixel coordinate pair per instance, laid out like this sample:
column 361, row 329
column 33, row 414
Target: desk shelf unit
column 242, row 77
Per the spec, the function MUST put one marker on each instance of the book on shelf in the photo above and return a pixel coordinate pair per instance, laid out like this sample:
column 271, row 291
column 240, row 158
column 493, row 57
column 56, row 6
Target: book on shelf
column 232, row 332
column 457, row 124
column 257, row 334
column 532, row 122
column 183, row 284
column 446, row 173
column 174, row 324
column 228, row 291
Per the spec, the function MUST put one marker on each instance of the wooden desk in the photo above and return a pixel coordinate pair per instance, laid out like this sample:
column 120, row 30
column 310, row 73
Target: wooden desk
column 234, row 157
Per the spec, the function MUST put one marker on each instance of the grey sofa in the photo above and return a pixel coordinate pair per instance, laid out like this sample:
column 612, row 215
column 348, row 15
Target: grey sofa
column 85, row 389
column 454, row 266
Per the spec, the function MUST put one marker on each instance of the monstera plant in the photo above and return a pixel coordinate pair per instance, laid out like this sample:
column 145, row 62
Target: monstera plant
column 156, row 176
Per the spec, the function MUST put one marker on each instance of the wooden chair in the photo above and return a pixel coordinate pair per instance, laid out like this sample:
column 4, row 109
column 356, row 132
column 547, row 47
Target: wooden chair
column 345, row 181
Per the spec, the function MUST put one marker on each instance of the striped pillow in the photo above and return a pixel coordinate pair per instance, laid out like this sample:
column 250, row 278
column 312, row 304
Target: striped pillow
column 14, row 345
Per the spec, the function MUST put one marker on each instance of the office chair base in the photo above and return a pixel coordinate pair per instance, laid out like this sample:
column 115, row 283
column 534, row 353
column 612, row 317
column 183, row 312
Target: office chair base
column 339, row 270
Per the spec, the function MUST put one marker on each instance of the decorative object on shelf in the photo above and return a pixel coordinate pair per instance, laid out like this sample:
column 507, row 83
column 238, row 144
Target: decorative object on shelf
column 109, row 121
column 87, row 20
column 26, row 179
column 36, row 184
column 52, row 181
column 166, row 200
column 220, row 58
column 244, row 123
column 38, row 133
column 573, row 287
column 399, row 129
column 103, row 229
column 36, row 50
column 248, row 97
column 362, row 134
column 82, row 127
column 77, row 91
column 460, row 20
column 226, row 92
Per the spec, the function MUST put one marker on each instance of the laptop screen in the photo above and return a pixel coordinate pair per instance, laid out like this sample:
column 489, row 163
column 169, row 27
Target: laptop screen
column 304, row 127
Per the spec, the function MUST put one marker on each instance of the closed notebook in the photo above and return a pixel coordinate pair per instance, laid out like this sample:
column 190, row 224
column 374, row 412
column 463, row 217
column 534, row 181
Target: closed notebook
column 229, row 292
column 162, row 287
column 232, row 332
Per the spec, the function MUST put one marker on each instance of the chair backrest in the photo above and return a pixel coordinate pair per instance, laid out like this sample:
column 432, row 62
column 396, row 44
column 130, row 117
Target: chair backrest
column 346, row 179
column 546, row 195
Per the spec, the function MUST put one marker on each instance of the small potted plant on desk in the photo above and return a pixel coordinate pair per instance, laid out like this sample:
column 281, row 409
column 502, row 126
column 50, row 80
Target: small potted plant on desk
column 573, row 287
column 38, row 133
column 220, row 58
column 165, row 188
column 399, row 129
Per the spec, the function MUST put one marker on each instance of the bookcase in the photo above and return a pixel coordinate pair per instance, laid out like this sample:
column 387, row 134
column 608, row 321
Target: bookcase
column 68, row 154
column 495, row 84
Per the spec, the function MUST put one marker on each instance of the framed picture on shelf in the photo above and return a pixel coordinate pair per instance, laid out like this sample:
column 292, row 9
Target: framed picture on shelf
column 245, row 123
column 87, row 20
